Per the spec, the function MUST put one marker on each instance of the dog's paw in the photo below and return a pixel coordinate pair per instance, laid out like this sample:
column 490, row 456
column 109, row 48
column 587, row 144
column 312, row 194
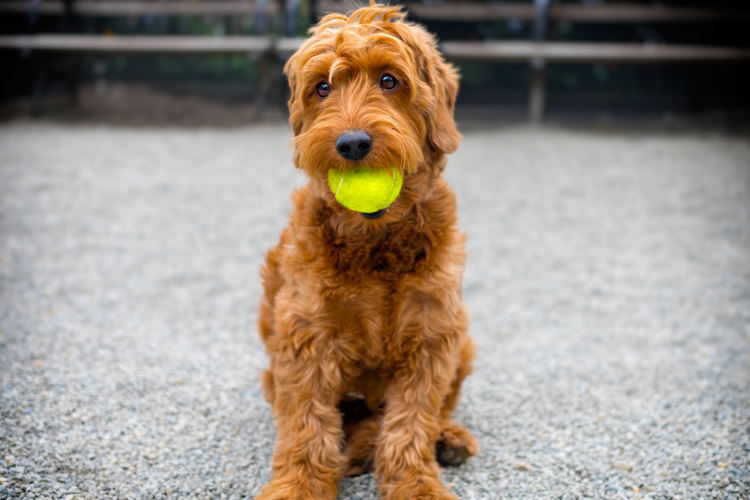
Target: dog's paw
column 286, row 488
column 278, row 492
column 357, row 470
column 287, row 495
column 455, row 445
column 418, row 488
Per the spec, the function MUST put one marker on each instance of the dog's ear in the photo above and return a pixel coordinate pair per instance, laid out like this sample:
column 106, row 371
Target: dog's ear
column 442, row 78
column 295, row 105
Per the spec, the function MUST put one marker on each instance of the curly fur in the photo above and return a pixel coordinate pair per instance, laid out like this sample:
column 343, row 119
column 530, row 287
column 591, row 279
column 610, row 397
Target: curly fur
column 363, row 320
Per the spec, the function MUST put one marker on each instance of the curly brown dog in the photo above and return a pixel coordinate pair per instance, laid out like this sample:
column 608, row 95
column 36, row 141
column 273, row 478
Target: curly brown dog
column 362, row 316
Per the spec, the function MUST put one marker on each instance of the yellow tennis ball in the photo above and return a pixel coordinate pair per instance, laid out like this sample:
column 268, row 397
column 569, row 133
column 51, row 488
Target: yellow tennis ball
column 366, row 190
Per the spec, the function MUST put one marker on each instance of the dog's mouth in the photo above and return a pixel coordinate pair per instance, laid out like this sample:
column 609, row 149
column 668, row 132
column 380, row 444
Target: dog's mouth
column 375, row 215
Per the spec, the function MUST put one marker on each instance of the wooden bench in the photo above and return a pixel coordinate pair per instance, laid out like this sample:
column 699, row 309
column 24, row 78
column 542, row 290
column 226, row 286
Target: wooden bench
column 261, row 45
column 540, row 52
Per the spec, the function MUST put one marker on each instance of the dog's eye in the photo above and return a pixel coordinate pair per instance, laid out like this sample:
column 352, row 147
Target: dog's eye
column 323, row 89
column 388, row 82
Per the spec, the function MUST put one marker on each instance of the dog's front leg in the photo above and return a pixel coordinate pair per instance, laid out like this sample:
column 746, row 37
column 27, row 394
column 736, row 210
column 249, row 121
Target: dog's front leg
column 405, row 453
column 307, row 462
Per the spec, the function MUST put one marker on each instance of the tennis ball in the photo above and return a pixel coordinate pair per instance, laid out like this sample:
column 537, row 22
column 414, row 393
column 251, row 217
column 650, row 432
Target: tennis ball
column 365, row 190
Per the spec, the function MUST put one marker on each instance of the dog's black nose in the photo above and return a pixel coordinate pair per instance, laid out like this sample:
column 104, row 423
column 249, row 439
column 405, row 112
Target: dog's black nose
column 354, row 145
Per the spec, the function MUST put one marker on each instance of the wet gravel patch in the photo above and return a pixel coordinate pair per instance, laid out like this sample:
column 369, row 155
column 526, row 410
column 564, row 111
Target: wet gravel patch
column 608, row 280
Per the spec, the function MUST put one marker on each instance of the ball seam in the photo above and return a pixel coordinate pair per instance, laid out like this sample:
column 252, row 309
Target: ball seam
column 340, row 184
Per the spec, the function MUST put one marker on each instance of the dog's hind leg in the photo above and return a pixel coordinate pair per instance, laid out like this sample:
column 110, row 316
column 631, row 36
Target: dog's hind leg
column 361, row 427
column 269, row 390
column 360, row 446
column 455, row 444
column 272, row 282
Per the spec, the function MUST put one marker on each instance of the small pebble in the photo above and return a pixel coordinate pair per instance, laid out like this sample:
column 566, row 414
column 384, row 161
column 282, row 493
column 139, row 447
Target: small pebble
column 522, row 466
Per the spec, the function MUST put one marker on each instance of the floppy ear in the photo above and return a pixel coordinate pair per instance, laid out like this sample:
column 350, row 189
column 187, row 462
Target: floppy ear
column 295, row 107
column 442, row 78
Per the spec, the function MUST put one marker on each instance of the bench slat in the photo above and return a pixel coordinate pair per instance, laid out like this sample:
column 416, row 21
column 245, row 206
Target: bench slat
column 626, row 14
column 471, row 11
column 288, row 45
column 598, row 13
column 167, row 44
column 140, row 8
column 511, row 51
column 584, row 52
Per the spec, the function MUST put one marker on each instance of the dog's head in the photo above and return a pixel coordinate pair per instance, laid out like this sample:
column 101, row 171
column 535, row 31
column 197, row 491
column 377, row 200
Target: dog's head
column 371, row 89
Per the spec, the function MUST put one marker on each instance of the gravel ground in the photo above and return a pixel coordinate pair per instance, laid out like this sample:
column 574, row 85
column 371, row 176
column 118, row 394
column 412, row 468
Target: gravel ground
column 608, row 278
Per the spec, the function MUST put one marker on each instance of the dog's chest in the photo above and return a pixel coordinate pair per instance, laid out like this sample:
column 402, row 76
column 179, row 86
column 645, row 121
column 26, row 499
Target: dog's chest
column 387, row 256
column 364, row 314
column 366, row 289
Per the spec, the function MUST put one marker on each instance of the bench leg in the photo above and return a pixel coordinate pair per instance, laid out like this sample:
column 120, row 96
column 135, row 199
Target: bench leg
column 537, row 92
column 71, row 77
column 284, row 95
column 264, row 85
column 40, row 86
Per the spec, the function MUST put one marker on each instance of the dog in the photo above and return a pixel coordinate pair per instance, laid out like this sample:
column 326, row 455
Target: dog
column 362, row 315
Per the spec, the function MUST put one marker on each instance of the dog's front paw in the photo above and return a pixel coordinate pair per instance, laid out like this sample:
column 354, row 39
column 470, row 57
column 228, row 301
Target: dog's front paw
column 417, row 488
column 301, row 488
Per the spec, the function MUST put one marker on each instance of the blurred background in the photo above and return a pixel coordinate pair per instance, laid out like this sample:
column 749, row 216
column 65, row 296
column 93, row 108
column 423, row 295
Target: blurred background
column 128, row 60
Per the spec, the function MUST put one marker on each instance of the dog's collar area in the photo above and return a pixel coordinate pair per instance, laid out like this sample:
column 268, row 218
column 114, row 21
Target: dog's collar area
column 375, row 215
